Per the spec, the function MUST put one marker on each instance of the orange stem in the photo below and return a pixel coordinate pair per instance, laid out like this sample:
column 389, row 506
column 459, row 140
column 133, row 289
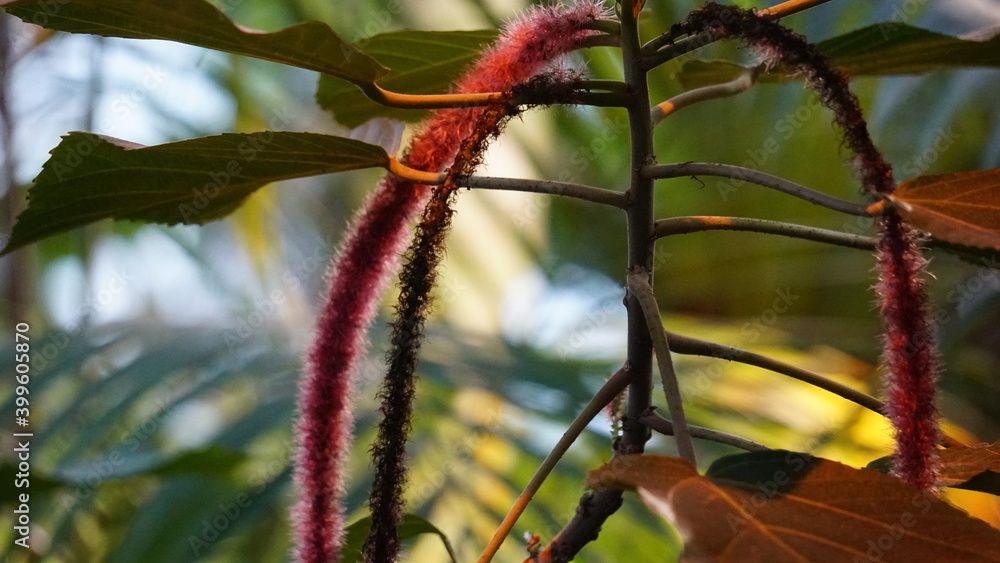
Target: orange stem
column 789, row 8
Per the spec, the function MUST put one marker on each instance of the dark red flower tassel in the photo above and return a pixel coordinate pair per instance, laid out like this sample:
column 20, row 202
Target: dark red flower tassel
column 910, row 355
column 369, row 254
column 910, row 352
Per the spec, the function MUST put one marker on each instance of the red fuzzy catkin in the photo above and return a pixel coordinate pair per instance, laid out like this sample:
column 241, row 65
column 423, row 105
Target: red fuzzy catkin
column 416, row 279
column 910, row 352
column 369, row 254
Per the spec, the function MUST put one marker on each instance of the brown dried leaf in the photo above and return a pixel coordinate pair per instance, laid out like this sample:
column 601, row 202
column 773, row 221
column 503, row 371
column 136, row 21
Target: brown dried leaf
column 972, row 467
column 782, row 506
column 961, row 208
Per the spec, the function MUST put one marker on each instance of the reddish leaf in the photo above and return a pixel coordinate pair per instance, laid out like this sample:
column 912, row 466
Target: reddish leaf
column 972, row 467
column 962, row 208
column 781, row 506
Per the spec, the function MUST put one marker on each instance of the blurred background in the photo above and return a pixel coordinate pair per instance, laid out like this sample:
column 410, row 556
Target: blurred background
column 166, row 359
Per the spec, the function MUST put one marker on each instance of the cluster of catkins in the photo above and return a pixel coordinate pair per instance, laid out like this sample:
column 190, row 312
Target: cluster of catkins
column 454, row 139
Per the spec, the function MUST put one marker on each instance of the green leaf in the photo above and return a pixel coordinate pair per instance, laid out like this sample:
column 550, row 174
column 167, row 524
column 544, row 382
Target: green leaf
column 91, row 177
column 312, row 45
column 411, row 526
column 213, row 461
column 897, row 48
column 879, row 49
column 421, row 62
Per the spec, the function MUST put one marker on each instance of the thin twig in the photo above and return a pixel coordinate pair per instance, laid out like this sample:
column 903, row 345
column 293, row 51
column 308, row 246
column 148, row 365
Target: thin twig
column 576, row 191
column 603, row 84
column 789, row 8
column 774, row 12
column 693, row 346
column 663, row 48
column 598, row 99
column 427, row 101
column 439, row 101
column 695, row 224
column 611, row 389
column 638, row 285
column 610, row 27
column 595, row 507
column 665, row 427
column 603, row 40
column 663, row 171
column 736, row 86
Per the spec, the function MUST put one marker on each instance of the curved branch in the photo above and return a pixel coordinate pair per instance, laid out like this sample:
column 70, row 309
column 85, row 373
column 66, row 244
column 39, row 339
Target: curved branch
column 565, row 189
column 610, row 27
column 695, row 224
column 603, row 40
column 603, row 84
column 409, row 173
column 638, row 286
column 736, row 86
column 664, row 171
column 577, row 191
column 664, row 426
column 789, row 8
column 597, row 99
column 607, row 393
column 695, row 347
column 652, row 48
column 427, row 101
column 392, row 99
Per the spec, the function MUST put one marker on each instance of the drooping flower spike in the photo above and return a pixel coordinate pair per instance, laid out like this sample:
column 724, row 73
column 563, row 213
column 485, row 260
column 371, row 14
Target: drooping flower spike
column 909, row 353
column 369, row 254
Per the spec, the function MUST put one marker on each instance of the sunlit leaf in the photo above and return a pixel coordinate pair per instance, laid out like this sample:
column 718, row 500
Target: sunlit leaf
column 311, row 45
column 961, row 208
column 975, row 467
column 786, row 506
column 422, row 62
column 880, row 49
column 410, row 527
column 92, row 177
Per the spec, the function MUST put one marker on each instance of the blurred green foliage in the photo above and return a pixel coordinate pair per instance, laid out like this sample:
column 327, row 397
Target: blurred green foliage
column 165, row 434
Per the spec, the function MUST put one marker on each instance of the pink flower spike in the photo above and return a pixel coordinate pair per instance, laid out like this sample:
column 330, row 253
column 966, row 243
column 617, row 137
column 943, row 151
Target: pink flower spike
column 369, row 254
column 910, row 355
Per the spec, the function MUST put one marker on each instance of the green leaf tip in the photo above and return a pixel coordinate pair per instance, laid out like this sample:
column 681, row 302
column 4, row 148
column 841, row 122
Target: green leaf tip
column 311, row 45
column 90, row 177
column 421, row 62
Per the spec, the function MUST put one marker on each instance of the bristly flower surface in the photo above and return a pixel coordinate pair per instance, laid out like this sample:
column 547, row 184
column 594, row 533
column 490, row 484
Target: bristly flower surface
column 369, row 254
column 909, row 353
